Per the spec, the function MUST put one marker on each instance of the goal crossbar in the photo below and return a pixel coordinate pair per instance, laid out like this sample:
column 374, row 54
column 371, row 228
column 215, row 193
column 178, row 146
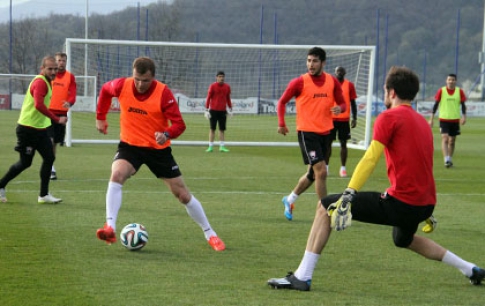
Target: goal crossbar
column 257, row 74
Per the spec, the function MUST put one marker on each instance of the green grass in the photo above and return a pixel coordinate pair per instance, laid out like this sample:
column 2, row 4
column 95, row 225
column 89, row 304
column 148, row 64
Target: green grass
column 49, row 254
column 252, row 128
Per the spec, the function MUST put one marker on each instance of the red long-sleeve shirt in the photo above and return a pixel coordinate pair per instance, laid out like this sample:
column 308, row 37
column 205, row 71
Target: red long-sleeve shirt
column 38, row 89
column 218, row 97
column 294, row 89
column 168, row 104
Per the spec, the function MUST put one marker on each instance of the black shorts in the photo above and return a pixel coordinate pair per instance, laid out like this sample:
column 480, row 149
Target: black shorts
column 30, row 140
column 340, row 129
column 383, row 209
column 57, row 132
column 450, row 128
column 218, row 116
column 160, row 161
column 313, row 147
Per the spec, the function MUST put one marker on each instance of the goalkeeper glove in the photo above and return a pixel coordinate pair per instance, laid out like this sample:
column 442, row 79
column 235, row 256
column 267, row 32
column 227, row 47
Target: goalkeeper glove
column 431, row 224
column 339, row 212
column 207, row 115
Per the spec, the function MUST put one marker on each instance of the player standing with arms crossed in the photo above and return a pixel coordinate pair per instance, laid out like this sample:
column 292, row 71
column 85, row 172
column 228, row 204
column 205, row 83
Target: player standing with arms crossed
column 149, row 119
column 63, row 98
column 318, row 97
column 218, row 100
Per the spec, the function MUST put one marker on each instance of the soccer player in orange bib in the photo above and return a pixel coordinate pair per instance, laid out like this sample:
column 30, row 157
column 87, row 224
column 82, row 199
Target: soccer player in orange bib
column 406, row 140
column 318, row 98
column 63, row 98
column 149, row 119
column 341, row 126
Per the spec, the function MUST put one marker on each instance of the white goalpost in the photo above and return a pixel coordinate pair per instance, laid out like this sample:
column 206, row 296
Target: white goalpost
column 14, row 86
column 257, row 74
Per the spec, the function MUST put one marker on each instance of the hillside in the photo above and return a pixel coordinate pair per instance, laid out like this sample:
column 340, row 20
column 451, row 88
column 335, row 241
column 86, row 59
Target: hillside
column 408, row 30
column 418, row 34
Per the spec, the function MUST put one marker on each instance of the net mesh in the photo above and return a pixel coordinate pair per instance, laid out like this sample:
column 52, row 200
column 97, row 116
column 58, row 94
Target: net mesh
column 257, row 74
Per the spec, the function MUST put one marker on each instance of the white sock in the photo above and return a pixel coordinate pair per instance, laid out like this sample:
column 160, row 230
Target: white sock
column 222, row 143
column 307, row 266
column 464, row 266
column 447, row 159
column 196, row 212
column 342, row 168
column 113, row 203
column 53, row 169
column 211, row 144
column 292, row 198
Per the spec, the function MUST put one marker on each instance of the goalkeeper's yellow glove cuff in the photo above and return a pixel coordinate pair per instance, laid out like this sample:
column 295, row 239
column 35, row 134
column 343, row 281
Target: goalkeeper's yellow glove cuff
column 431, row 224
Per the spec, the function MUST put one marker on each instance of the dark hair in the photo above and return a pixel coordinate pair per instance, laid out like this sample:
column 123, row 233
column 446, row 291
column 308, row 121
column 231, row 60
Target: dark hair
column 404, row 82
column 144, row 64
column 220, row 72
column 340, row 68
column 60, row 54
column 319, row 52
column 452, row 75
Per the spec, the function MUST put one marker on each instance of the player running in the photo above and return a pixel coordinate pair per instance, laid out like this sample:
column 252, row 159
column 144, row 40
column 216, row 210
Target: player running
column 318, row 97
column 149, row 119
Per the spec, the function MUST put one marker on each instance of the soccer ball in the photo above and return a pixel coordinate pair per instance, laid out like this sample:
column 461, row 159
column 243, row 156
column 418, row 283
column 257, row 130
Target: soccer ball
column 134, row 236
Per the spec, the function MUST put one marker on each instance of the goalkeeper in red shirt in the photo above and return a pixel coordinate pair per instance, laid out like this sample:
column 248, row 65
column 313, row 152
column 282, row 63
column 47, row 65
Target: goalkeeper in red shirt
column 405, row 138
column 217, row 103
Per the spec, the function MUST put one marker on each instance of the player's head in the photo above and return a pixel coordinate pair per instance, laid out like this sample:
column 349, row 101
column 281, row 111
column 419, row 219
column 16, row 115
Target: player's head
column 220, row 76
column 143, row 73
column 61, row 59
column 315, row 61
column 340, row 73
column 451, row 81
column 143, row 65
column 318, row 52
column 403, row 81
column 48, row 67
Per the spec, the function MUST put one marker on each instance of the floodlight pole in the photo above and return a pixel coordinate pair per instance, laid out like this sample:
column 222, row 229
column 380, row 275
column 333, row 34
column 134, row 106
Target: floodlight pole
column 86, row 20
column 481, row 59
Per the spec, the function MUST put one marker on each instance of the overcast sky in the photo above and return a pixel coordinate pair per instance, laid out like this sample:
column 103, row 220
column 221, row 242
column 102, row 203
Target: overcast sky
column 39, row 8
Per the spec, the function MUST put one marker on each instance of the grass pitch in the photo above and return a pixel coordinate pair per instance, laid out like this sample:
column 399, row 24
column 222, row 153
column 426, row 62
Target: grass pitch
column 49, row 254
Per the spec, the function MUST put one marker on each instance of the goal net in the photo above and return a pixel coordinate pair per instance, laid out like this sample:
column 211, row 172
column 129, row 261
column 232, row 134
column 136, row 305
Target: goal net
column 257, row 74
column 14, row 86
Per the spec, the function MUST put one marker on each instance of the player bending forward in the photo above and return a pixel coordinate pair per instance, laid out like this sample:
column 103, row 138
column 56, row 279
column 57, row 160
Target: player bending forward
column 149, row 118
column 406, row 139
